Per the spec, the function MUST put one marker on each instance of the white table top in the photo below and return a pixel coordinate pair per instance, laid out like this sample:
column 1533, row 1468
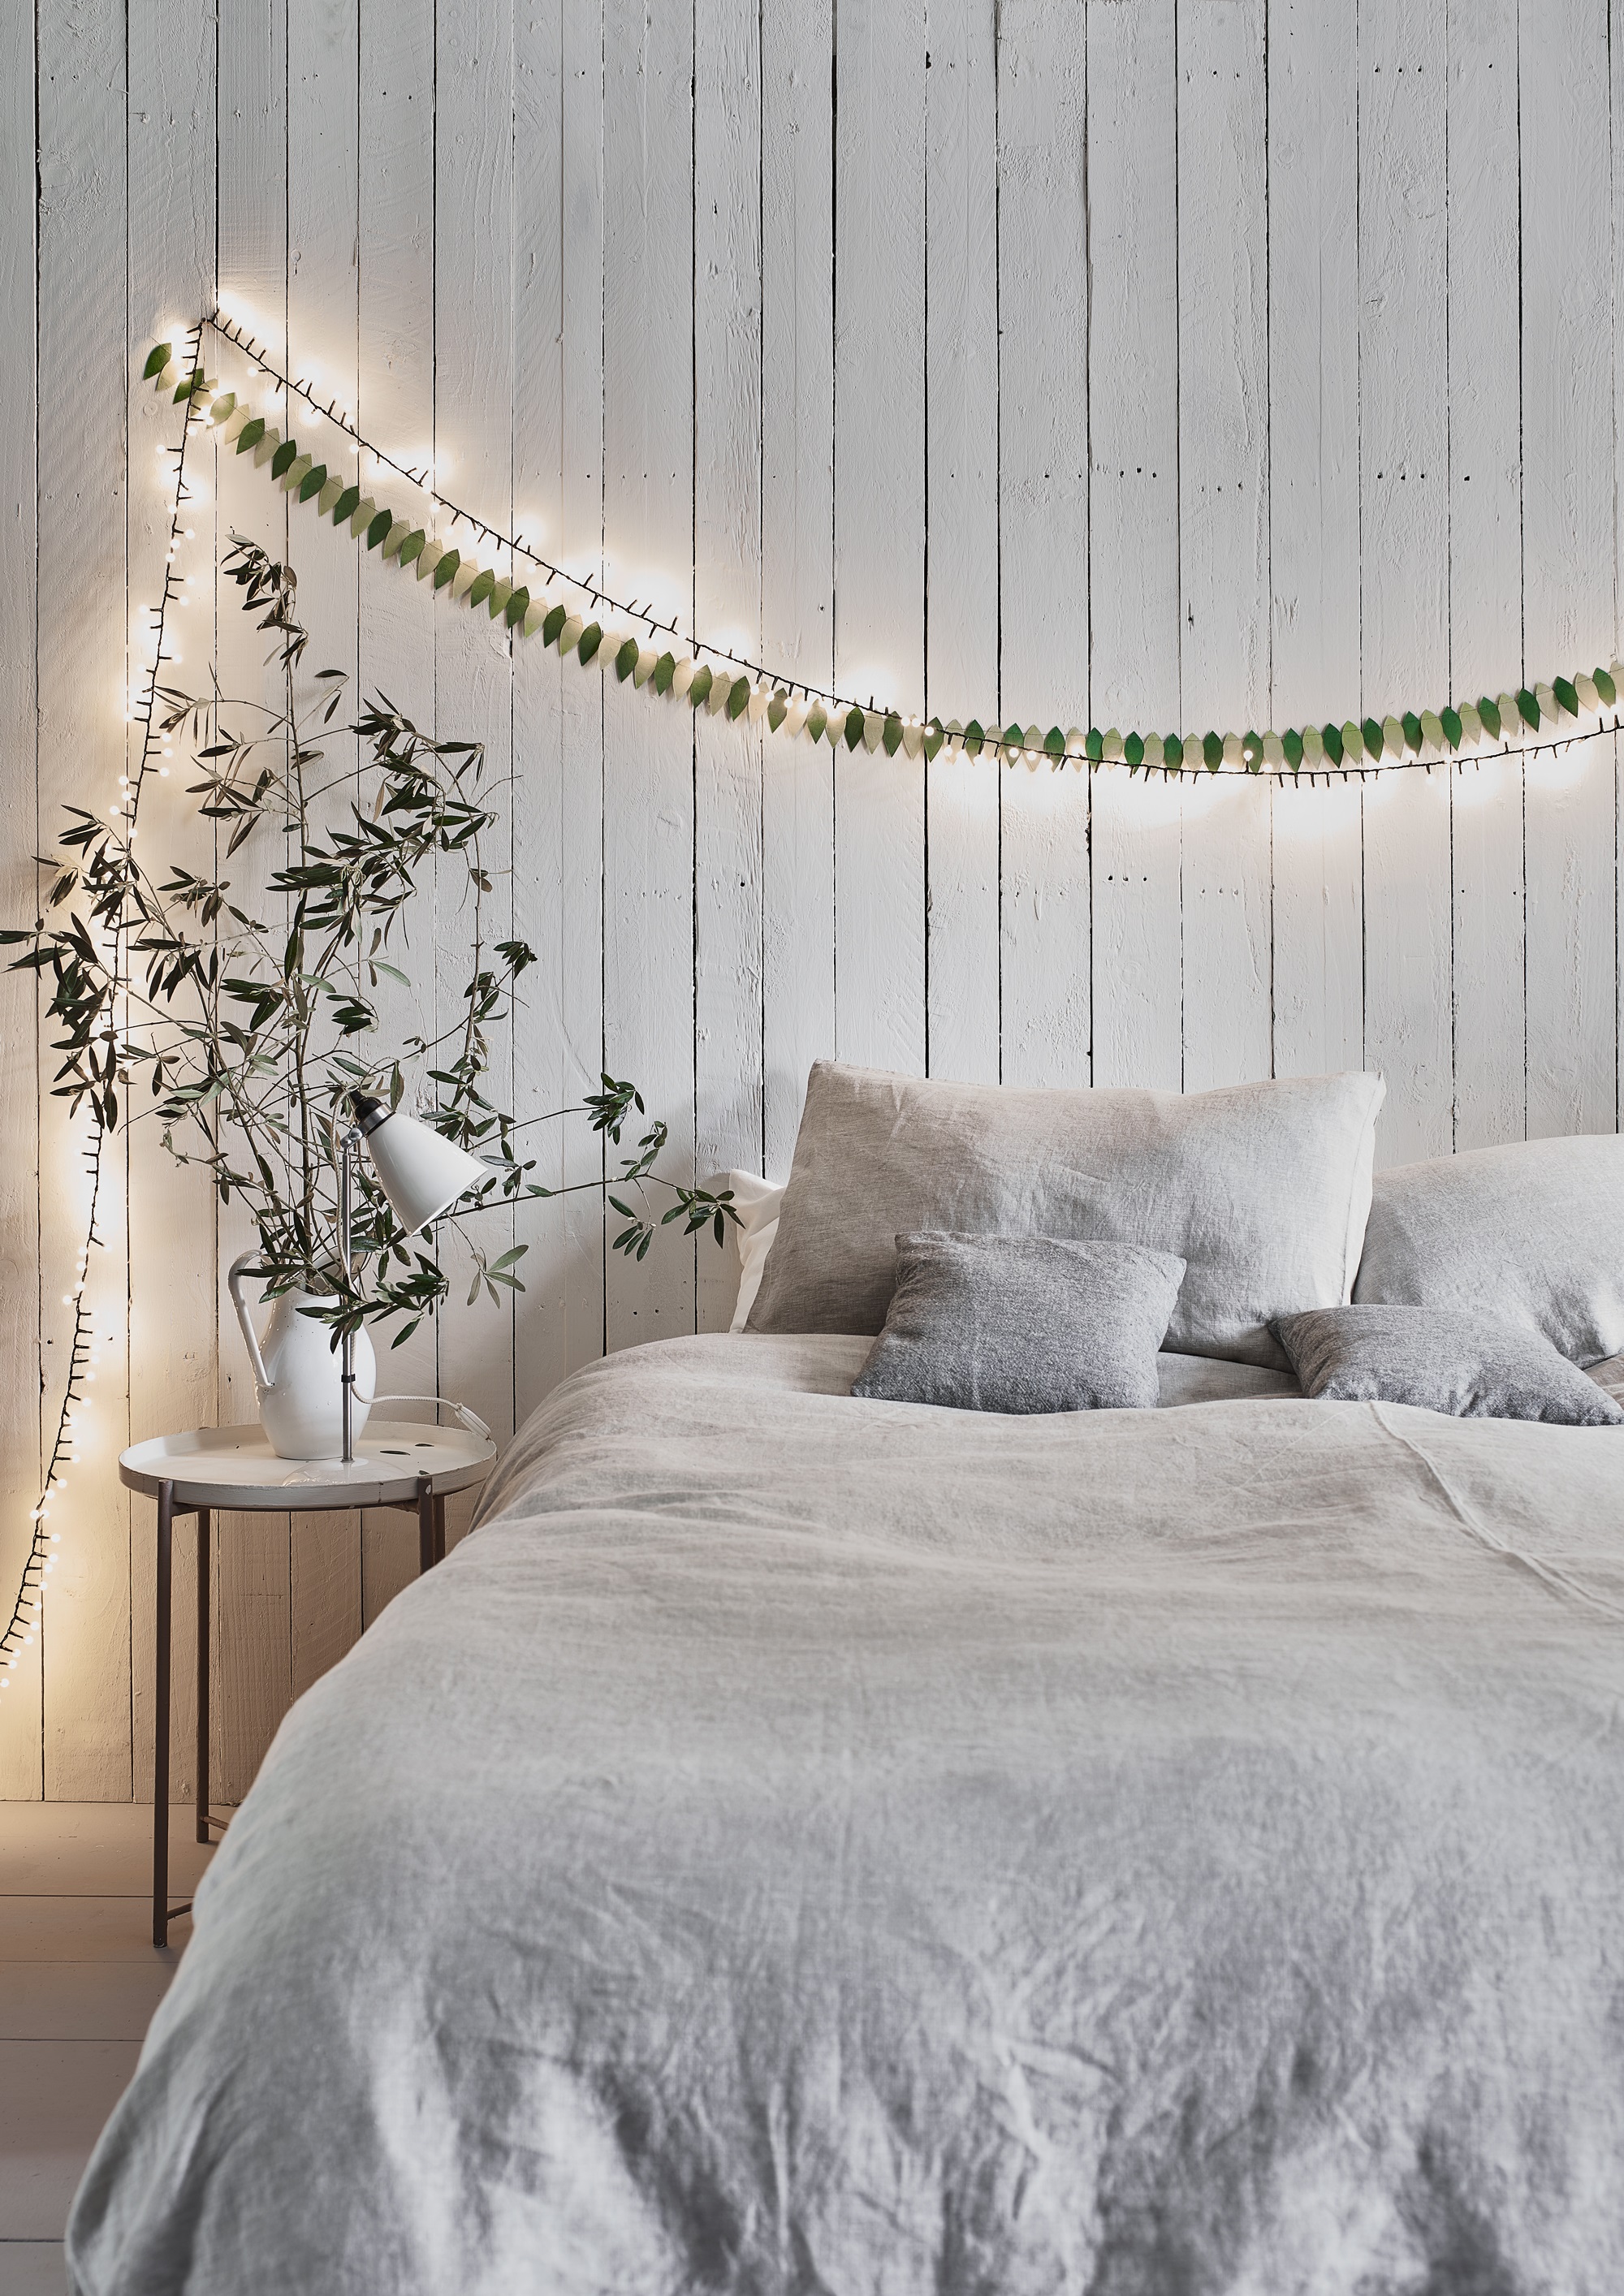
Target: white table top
column 236, row 1467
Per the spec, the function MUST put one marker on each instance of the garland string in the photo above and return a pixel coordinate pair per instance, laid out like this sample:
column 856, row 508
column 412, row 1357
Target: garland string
column 1508, row 725
column 26, row 1618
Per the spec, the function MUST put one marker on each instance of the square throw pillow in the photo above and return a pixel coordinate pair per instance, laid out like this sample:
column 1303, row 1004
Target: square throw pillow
column 1261, row 1189
column 1468, row 1366
column 1023, row 1322
column 1532, row 1234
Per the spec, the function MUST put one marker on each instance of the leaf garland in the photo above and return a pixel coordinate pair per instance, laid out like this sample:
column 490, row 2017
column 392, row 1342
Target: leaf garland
column 716, row 679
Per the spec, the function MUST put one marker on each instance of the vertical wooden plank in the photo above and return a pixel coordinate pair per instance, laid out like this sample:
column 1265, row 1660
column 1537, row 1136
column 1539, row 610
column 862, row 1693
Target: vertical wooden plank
column 1134, row 674
column 1224, row 523
column 879, row 524
column 558, row 727
column 173, row 1312
column 1568, row 543
column 82, row 606
column 474, row 403
column 962, row 257
column 729, row 760
column 796, row 553
column 22, row 1714
column 648, row 754
column 323, row 319
column 252, row 1649
column 1314, row 518
column 1485, row 565
column 396, row 640
column 1043, row 522
column 1404, row 509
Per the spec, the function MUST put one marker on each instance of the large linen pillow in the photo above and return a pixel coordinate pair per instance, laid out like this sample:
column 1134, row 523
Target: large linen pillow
column 1532, row 1232
column 1467, row 1367
column 1023, row 1322
column 1261, row 1189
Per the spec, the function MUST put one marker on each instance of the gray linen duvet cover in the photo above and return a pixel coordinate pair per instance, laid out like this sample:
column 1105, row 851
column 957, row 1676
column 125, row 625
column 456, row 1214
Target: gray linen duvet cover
column 806, row 1845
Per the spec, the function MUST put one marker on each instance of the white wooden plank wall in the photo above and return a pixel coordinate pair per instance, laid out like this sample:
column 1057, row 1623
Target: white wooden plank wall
column 1196, row 363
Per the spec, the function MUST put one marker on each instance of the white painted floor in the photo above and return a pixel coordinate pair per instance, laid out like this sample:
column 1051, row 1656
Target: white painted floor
column 79, row 1980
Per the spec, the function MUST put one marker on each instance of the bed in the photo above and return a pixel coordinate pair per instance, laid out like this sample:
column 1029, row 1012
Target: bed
column 799, row 1844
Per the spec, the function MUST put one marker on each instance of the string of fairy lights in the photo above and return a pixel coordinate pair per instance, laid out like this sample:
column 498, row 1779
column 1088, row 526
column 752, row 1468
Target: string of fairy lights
column 461, row 556
column 76, row 1416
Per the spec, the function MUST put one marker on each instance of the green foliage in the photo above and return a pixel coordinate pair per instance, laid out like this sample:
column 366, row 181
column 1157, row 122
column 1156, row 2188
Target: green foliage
column 1489, row 712
column 244, row 1036
column 251, row 434
column 313, row 481
column 285, row 458
column 157, row 359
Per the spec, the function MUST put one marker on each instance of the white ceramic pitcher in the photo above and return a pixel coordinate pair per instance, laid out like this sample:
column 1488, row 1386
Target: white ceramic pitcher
column 299, row 1373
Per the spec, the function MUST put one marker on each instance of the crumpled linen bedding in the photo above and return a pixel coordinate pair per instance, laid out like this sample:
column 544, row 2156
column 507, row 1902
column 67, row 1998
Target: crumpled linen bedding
column 804, row 1845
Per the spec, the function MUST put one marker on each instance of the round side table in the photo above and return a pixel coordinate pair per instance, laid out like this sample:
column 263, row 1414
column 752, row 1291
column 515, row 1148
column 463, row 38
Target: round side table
column 398, row 1465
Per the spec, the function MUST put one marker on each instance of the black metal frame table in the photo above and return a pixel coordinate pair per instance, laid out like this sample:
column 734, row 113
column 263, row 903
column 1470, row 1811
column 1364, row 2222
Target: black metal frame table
column 398, row 1465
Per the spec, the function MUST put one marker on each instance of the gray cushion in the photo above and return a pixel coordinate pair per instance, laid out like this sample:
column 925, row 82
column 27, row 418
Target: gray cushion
column 1261, row 1189
column 1532, row 1232
column 1023, row 1322
column 1469, row 1366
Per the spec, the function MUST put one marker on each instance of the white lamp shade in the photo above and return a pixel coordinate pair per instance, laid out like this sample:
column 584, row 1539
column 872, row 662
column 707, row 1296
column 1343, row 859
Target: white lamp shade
column 422, row 1173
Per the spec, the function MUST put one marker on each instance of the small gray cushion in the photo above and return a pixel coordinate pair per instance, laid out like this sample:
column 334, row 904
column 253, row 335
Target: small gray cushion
column 1468, row 1366
column 1023, row 1322
column 1532, row 1234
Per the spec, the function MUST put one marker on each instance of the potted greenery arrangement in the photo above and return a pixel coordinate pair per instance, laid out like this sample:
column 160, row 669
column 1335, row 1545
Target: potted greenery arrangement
column 255, row 1035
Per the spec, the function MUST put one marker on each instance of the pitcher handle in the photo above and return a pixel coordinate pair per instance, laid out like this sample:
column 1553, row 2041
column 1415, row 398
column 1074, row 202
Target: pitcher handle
column 247, row 1265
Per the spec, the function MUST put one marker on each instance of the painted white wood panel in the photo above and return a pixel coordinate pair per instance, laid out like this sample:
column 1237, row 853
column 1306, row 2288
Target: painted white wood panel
column 1166, row 366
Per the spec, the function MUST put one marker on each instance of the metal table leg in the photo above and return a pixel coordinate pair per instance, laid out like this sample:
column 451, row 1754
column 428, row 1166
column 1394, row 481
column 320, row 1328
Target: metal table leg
column 425, row 1524
column 161, row 1720
column 202, row 1675
column 439, row 1528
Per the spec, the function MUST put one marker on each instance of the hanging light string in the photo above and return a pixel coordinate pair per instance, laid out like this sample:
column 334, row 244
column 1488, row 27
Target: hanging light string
column 27, row 1621
column 1516, row 723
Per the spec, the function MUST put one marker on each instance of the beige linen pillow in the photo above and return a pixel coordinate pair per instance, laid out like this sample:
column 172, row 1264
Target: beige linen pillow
column 1261, row 1189
column 1532, row 1232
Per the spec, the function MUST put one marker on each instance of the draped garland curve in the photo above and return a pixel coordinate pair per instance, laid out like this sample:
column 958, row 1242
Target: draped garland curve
column 585, row 623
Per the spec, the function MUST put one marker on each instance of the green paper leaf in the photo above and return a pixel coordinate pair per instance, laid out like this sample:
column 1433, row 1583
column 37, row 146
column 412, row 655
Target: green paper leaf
column 1055, row 742
column 1013, row 737
column 665, row 670
column 1411, row 731
column 817, row 720
column 1291, row 742
column 187, row 385
column 1604, row 686
column 251, row 434
column 590, row 639
column 445, row 570
column 1173, row 752
column 1374, row 737
column 777, row 710
column 1567, row 694
column 1133, row 749
column 556, row 617
column 854, row 726
column 1450, row 720
column 517, row 607
column 1332, row 736
column 626, row 660
column 1353, row 742
column 1528, row 708
column 1251, row 749
column 891, row 738
column 974, row 738
column 313, row 482
column 1489, row 711
column 935, row 736
column 701, row 684
column 157, row 359
column 483, row 583
column 224, row 408
column 285, row 458
column 1094, row 745
column 738, row 697
column 379, row 527
column 413, row 544
column 1212, row 751
column 345, row 507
